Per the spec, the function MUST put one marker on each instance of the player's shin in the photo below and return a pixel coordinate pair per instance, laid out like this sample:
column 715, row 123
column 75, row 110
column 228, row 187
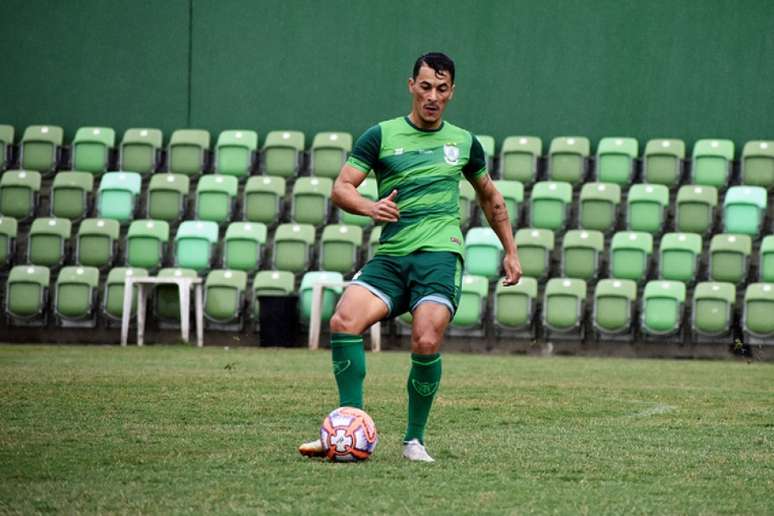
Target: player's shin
column 423, row 382
column 349, row 368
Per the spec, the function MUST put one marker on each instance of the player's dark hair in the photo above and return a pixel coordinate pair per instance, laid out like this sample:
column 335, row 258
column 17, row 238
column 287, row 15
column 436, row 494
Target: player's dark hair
column 438, row 61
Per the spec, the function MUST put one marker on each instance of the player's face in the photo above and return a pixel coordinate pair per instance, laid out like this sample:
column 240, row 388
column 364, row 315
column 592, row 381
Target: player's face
column 431, row 91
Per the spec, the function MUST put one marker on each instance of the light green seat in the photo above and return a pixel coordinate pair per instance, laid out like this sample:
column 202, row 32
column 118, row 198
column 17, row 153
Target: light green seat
column 744, row 209
column 235, row 152
column 483, row 253
column 367, row 189
column 263, row 198
column 549, row 205
column 488, row 144
column 243, row 245
column 616, row 160
column 564, row 304
column 630, row 253
column 645, row 208
column 140, row 150
column 7, row 134
column 146, row 244
column 581, row 250
column 758, row 163
column 513, row 195
column 167, row 197
column 187, row 151
column 519, row 158
column 567, row 159
column 8, row 231
column 373, row 241
column 113, row 298
column 70, row 195
column 340, row 248
column 48, row 242
column 662, row 307
column 329, row 152
column 679, row 257
column 470, row 311
column 467, row 196
column 195, row 242
column 695, row 211
column 117, row 196
column 599, row 206
column 216, row 197
column 282, row 153
column 224, row 296
column 757, row 317
column 75, row 297
column 26, row 293
column 292, row 247
column 712, row 314
column 166, row 300
column 729, row 258
column 535, row 249
column 712, row 160
column 19, row 193
column 614, row 300
column 311, row 200
column 91, row 149
column 765, row 263
column 40, row 148
column 330, row 294
column 270, row 283
column 514, row 305
column 96, row 242
column 663, row 161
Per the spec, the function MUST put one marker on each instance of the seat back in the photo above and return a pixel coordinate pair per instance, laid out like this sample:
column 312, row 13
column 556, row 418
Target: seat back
column 712, row 162
column 563, row 304
column 113, row 298
column 26, row 291
column 166, row 301
column 713, row 308
column 270, row 283
column 187, row 152
column 215, row 197
column 243, row 245
column 167, row 195
column 96, row 242
column 567, row 159
column 645, row 207
column 39, row 148
column 744, row 208
column 292, row 244
column 235, row 152
column 662, row 311
column 766, row 261
column 549, row 205
column 140, row 150
column 263, row 199
column 311, row 200
column 146, row 243
column 678, row 257
column 224, row 295
column 194, row 244
column 470, row 311
column 581, row 250
column 331, row 293
column 758, row 164
column 91, row 149
column 329, row 151
column 616, row 160
column 599, row 206
column 48, row 241
column 729, row 258
column 117, row 195
column 75, row 292
column 514, row 305
column 519, row 158
column 630, row 253
column 8, row 231
column 535, row 249
column 613, row 303
column 340, row 247
column 281, row 153
column 663, row 161
column 758, row 307
column 19, row 193
column 696, row 209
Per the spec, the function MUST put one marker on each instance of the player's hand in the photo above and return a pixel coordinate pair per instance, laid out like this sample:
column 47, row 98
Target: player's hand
column 512, row 268
column 385, row 210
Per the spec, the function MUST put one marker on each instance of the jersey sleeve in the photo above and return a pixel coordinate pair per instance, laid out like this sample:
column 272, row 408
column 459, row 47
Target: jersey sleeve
column 476, row 165
column 365, row 153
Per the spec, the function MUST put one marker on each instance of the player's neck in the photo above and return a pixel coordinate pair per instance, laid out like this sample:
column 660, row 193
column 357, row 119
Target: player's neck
column 417, row 122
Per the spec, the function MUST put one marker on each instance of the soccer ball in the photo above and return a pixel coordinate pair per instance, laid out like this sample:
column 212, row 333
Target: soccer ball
column 348, row 434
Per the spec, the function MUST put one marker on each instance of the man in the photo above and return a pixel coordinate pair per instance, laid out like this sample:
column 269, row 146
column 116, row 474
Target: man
column 418, row 161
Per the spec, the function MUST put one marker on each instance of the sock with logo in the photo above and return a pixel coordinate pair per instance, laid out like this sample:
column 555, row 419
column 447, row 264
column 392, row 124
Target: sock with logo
column 349, row 368
column 423, row 381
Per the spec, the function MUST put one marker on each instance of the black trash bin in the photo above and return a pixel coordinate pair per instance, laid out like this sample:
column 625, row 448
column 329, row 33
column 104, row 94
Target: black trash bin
column 279, row 320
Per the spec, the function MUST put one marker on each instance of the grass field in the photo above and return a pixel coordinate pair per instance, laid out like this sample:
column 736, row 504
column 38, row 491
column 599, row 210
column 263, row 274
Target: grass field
column 180, row 430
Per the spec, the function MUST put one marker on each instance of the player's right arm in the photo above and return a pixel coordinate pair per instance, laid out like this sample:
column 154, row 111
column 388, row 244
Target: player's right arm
column 346, row 197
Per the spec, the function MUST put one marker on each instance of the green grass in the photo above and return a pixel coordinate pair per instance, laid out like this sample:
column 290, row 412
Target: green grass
column 180, row 430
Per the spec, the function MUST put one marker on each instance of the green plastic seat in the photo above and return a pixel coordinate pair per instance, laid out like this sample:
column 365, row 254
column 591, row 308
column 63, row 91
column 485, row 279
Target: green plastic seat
column 330, row 294
column 645, row 208
column 19, row 194
column 373, row 241
column 662, row 307
column 616, row 160
column 8, row 230
column 567, row 159
column 167, row 197
column 758, row 164
column 514, row 305
column 166, row 299
column 224, row 296
column 263, row 199
column 467, row 196
column 27, row 292
column 695, row 211
column 713, row 308
column 329, row 152
column 564, row 304
column 599, row 206
column 488, row 144
column 96, row 242
column 243, row 246
column 535, row 249
column 292, row 247
column 581, row 251
column 729, row 258
column 470, row 311
column 483, row 253
column 630, row 253
column 519, row 158
column 75, row 297
column 758, row 308
column 235, row 153
column 765, row 263
column 71, row 195
column 513, row 195
column 340, row 248
column 7, row 134
column 311, row 200
column 679, row 257
column 367, row 189
column 614, row 300
column 48, row 242
column 744, row 209
column 712, row 160
column 140, row 150
column 117, row 196
column 195, row 242
column 549, row 205
column 91, row 149
column 40, row 148
column 187, row 152
column 216, row 197
column 270, row 283
column 663, row 161
column 113, row 297
column 146, row 244
column 282, row 153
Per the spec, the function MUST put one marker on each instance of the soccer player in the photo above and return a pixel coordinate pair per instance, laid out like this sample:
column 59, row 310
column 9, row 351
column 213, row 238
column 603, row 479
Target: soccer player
column 418, row 161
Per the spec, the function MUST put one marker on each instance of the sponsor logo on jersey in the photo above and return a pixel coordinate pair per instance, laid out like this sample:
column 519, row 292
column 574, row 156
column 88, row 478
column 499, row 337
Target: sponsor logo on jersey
column 451, row 154
column 455, row 240
column 399, row 151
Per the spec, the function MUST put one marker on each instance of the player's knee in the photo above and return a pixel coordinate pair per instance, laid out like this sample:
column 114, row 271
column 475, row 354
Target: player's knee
column 426, row 342
column 343, row 323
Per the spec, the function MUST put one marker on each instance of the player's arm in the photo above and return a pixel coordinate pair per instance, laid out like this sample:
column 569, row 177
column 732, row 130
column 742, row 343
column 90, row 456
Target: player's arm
column 346, row 197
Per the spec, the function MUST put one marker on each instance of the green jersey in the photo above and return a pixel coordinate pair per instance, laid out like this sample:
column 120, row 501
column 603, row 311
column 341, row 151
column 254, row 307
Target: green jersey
column 425, row 167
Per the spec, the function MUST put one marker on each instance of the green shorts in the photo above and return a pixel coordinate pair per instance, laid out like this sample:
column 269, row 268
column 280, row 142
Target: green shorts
column 405, row 282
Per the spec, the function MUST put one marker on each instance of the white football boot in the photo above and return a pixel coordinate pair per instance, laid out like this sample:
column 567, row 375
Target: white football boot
column 312, row 449
column 415, row 451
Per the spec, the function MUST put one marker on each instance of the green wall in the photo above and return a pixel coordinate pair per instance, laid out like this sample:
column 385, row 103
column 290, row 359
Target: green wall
column 666, row 68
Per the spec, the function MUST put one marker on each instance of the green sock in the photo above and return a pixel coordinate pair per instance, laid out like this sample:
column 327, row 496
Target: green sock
column 349, row 368
column 423, row 381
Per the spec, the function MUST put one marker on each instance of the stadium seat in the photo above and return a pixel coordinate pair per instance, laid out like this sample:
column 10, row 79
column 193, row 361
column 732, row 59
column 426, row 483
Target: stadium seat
column 71, row 195
column 519, row 158
column 40, row 148
column 662, row 308
column 645, row 208
column 270, row 283
column 91, row 149
column 188, row 152
column 26, row 295
column 146, row 244
column 564, row 306
column 567, row 159
column 599, row 206
column 167, row 197
column 75, row 296
column 373, row 241
column 8, row 231
column 330, row 294
column 712, row 314
column 340, row 248
column 282, row 153
column 679, row 255
column 292, row 247
column 243, row 246
column 470, row 311
column 765, row 262
column 467, row 197
column 514, row 305
column 695, row 211
column 7, row 133
column 235, row 153
column 140, row 151
column 729, row 257
column 757, row 320
column 630, row 253
column 96, row 242
column 216, row 198
column 535, row 249
column 367, row 189
column 616, row 160
column 19, row 194
column 513, row 195
column 712, row 160
column 581, row 250
column 195, row 242
column 48, row 242
column 758, row 164
column 329, row 152
column 744, row 209
column 166, row 299
column 117, row 196
column 549, row 205
column 113, row 298
column 224, row 299
column 488, row 144
column 614, row 302
column 483, row 253
column 263, row 199
column 663, row 162
column 311, row 200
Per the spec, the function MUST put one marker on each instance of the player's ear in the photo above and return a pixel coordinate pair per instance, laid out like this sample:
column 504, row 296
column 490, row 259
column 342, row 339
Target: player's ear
column 411, row 85
column 451, row 94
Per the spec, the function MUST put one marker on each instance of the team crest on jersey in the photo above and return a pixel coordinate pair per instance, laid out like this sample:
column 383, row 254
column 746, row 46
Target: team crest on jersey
column 451, row 154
